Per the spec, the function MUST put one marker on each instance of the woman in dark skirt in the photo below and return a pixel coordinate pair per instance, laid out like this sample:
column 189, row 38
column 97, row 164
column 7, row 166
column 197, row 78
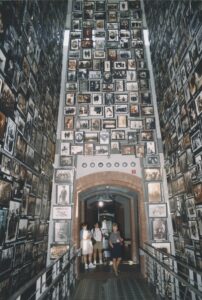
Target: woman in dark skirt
column 115, row 242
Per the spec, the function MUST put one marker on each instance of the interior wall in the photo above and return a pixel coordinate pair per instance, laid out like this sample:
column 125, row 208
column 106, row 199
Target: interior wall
column 176, row 48
column 31, row 37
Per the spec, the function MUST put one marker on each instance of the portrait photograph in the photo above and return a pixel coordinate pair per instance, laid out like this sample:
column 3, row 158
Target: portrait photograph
column 13, row 219
column 140, row 150
column 159, row 229
column 136, row 124
column 7, row 100
column 194, row 233
column 6, row 259
column 10, row 136
column 95, row 124
column 2, row 125
column 6, row 164
column 109, row 111
column 97, row 99
column 115, row 148
column 89, row 149
column 22, row 228
column 152, row 160
column 83, row 110
column 68, row 122
column 122, row 121
column 157, row 210
column 79, row 137
column 127, row 149
column 63, row 176
column 69, row 110
column 5, row 192
column 152, row 174
column 3, row 222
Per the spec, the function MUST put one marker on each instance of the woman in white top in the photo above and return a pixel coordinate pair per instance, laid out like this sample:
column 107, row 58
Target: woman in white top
column 86, row 246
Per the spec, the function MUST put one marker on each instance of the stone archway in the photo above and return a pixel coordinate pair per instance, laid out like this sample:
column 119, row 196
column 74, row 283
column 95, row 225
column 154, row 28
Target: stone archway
column 117, row 179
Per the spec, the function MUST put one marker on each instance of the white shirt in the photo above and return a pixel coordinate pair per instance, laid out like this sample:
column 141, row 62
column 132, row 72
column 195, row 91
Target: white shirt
column 97, row 234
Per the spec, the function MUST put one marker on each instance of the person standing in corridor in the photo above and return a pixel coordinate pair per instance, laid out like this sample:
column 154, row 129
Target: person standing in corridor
column 115, row 242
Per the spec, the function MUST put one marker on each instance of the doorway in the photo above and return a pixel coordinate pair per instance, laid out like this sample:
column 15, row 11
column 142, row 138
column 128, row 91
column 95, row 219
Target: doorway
column 124, row 184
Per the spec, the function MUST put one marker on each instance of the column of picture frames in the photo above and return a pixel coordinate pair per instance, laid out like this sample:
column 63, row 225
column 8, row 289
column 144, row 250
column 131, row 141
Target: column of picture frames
column 178, row 73
column 108, row 105
column 30, row 66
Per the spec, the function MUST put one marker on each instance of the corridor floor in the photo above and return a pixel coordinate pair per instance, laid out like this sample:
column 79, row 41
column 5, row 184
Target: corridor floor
column 102, row 284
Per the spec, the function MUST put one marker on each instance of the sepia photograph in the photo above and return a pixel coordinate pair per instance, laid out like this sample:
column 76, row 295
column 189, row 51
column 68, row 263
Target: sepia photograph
column 63, row 176
column 157, row 210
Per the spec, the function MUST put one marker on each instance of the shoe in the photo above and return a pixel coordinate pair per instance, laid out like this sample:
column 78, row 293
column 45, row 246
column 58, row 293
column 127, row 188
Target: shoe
column 91, row 266
column 101, row 262
column 86, row 266
column 95, row 262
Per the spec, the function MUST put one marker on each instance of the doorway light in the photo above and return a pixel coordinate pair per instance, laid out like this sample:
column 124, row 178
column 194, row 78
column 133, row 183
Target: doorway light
column 100, row 203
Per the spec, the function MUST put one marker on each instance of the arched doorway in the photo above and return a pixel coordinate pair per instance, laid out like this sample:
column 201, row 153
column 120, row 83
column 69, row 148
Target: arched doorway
column 121, row 181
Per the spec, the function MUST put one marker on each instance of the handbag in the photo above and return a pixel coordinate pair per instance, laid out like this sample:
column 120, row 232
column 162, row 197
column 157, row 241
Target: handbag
column 93, row 241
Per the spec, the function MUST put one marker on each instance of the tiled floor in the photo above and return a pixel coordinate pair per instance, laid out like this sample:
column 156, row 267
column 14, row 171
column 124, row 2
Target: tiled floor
column 102, row 284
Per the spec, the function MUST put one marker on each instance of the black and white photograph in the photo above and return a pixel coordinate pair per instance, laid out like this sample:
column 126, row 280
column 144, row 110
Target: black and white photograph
column 63, row 176
column 10, row 136
column 159, row 228
column 157, row 210
column 164, row 247
column 61, row 232
column 66, row 161
column 6, row 259
column 3, row 222
column 65, row 148
column 152, row 174
column 109, row 124
column 13, row 219
column 62, row 212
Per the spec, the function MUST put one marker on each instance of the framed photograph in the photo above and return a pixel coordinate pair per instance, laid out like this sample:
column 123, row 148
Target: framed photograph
column 2, row 125
column 66, row 161
column 118, row 135
column 196, row 141
column 85, row 64
column 146, row 98
column 79, row 137
column 198, row 102
column 64, row 176
column 12, row 222
column 140, row 150
column 61, row 232
column 107, row 66
column 127, row 149
column 89, row 149
column 22, row 228
column 83, row 110
column 101, row 150
column 121, row 98
column 96, row 111
column 157, row 210
column 99, row 54
column 150, row 148
column 71, row 86
column 119, row 65
column 95, row 85
column 197, row 191
column 107, row 87
column 64, row 148
column 68, row 122
column 113, row 35
column 112, row 16
column 109, row 99
column 6, row 164
column 132, row 137
column 69, row 110
column 164, row 247
column 109, row 124
column 67, row 135
column 131, row 86
column 115, row 148
column 122, row 108
column 7, row 255
column 99, row 24
column 10, row 136
column 123, row 6
column 86, row 44
column 57, row 251
column 154, row 192
column 104, row 137
column 7, row 100
column 19, row 254
column 83, row 74
column 62, row 212
column 109, row 111
column 63, row 194
column 122, row 121
column 150, row 123
column 95, row 75
column 96, row 64
column 152, row 174
column 193, row 227
column 82, row 124
column 152, row 160
column 97, row 99
column 76, row 150
column 70, row 99
column 95, row 124
column 91, row 137
column 159, row 229
column 132, row 64
column 134, row 110
column 111, row 56
column 83, row 86
column 147, row 110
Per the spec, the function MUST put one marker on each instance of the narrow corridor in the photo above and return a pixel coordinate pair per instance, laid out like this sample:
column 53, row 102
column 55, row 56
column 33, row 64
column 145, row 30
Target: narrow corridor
column 102, row 284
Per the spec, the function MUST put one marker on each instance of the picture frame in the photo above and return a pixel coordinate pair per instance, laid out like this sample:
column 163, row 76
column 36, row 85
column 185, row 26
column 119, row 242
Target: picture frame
column 134, row 110
column 89, row 149
column 120, row 65
column 140, row 150
column 152, row 160
column 101, row 149
column 82, row 124
column 127, row 149
column 91, row 137
column 109, row 123
column 118, row 135
column 122, row 121
column 104, row 137
column 164, row 247
column 70, row 99
column 150, row 148
column 10, row 136
column 6, row 259
column 109, row 111
column 120, row 98
column 154, row 192
column 131, row 86
column 196, row 141
column 83, row 110
column 64, row 176
column 62, row 212
column 76, row 149
column 96, row 111
column 66, row 161
column 2, row 125
column 97, row 99
column 157, row 210
column 121, row 108
column 159, row 229
column 152, row 174
column 79, row 137
column 13, row 219
column 67, row 135
column 63, row 194
column 61, row 232
column 115, row 148
column 95, row 124
column 69, row 110
column 68, row 122
column 64, row 148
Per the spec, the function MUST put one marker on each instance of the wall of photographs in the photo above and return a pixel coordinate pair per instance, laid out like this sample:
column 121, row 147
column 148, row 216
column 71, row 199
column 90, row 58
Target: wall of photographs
column 108, row 106
column 176, row 46
column 31, row 35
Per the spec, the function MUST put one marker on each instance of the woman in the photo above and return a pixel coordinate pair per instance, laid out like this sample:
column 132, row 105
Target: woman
column 86, row 246
column 115, row 242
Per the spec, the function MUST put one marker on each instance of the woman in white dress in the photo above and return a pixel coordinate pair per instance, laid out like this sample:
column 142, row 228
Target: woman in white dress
column 86, row 246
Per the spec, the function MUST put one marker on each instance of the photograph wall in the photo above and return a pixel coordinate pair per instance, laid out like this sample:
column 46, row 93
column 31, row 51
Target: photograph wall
column 176, row 44
column 31, row 36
